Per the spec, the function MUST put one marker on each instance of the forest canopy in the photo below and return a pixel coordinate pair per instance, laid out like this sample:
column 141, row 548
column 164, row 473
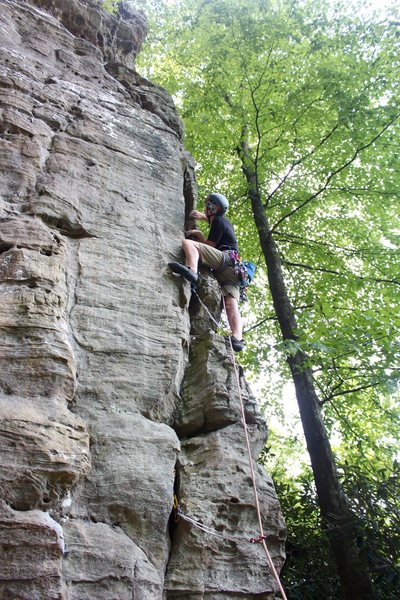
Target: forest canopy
column 295, row 105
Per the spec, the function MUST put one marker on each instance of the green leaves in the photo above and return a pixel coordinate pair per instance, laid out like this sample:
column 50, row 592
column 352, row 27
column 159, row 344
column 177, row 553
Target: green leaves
column 316, row 87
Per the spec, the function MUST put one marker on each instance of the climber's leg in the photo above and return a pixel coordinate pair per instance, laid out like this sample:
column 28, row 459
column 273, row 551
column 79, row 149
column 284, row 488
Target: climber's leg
column 195, row 251
column 233, row 316
column 192, row 254
column 231, row 293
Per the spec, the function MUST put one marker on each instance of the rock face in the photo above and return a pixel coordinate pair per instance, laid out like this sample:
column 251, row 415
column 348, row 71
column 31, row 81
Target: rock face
column 115, row 391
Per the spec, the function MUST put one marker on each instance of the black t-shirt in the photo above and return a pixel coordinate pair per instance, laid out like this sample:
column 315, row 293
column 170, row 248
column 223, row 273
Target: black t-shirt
column 222, row 233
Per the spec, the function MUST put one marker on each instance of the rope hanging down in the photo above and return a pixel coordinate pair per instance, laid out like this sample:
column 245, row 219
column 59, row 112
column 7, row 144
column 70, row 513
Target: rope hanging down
column 253, row 477
column 194, row 291
column 262, row 537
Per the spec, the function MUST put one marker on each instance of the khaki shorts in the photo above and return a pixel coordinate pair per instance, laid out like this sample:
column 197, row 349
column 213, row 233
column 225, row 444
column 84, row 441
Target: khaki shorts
column 213, row 258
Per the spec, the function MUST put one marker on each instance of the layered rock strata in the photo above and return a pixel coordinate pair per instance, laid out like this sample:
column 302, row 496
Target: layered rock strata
column 111, row 400
column 214, row 476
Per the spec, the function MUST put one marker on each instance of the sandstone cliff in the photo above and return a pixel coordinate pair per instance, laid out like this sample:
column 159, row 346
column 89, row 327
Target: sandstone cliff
column 115, row 390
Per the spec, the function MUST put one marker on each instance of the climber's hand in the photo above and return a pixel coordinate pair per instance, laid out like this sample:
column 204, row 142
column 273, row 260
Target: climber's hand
column 196, row 234
column 195, row 214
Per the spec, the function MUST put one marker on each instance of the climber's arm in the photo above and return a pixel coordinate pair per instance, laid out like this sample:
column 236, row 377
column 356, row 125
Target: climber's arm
column 195, row 214
column 198, row 236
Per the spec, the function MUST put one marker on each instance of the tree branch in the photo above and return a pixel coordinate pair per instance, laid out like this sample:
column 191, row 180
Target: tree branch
column 300, row 160
column 341, row 274
column 260, row 323
column 303, row 241
column 348, row 391
column 334, row 173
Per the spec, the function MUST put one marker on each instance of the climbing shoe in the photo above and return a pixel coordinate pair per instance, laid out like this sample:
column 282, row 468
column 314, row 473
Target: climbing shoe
column 186, row 272
column 237, row 345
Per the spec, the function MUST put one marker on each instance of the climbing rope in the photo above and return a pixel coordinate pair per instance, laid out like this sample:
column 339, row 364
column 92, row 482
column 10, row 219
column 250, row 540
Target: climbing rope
column 194, row 291
column 253, row 477
column 262, row 537
column 223, row 536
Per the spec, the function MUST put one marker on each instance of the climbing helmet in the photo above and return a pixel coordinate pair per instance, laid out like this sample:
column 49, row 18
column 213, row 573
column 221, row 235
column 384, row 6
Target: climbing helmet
column 217, row 203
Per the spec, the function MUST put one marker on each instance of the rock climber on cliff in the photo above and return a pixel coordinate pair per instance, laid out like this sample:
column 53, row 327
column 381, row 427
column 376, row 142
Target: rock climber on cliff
column 215, row 252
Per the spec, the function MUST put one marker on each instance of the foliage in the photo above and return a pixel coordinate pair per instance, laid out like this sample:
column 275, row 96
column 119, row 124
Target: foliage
column 309, row 570
column 315, row 86
column 110, row 5
column 314, row 90
column 374, row 496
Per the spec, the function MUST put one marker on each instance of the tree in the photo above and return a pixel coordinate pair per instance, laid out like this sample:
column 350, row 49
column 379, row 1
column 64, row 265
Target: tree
column 293, row 108
column 341, row 527
column 373, row 493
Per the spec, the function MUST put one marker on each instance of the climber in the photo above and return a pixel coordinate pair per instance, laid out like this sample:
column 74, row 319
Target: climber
column 213, row 252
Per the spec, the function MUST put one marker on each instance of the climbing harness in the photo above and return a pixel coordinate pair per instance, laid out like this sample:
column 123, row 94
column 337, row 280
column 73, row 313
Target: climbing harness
column 243, row 271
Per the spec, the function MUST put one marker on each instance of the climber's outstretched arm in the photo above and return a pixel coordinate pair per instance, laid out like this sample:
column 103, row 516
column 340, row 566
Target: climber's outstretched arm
column 195, row 214
column 199, row 237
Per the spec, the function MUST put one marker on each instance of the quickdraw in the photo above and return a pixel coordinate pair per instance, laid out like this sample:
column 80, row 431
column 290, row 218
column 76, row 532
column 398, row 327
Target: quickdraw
column 176, row 509
column 260, row 538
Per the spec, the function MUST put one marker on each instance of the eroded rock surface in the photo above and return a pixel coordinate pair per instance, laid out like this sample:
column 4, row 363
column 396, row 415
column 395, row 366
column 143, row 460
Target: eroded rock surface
column 101, row 368
column 24, row 536
column 119, row 37
column 214, row 475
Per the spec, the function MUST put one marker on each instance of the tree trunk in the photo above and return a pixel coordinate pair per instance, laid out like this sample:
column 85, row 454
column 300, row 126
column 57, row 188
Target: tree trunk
column 340, row 523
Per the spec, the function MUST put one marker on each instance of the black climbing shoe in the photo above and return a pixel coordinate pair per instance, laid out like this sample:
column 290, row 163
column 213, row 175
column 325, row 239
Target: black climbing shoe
column 237, row 345
column 187, row 273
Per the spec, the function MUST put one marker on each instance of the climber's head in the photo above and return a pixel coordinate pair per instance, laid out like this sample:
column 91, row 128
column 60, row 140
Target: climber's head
column 216, row 204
